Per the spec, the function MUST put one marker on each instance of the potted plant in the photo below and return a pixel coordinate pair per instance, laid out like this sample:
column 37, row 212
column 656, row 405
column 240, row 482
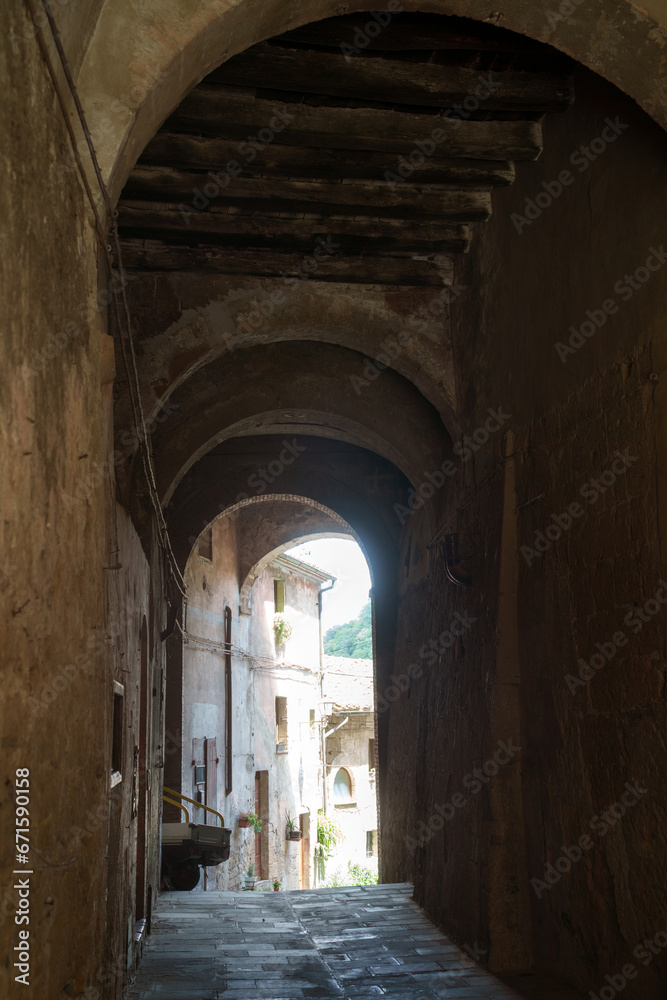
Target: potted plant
column 251, row 819
column 282, row 628
column 276, row 885
column 293, row 832
column 249, row 878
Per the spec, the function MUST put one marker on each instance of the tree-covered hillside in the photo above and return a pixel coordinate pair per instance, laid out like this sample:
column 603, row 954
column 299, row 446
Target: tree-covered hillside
column 353, row 639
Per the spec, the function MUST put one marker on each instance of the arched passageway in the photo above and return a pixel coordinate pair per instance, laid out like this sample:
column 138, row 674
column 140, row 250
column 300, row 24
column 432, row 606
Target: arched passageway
column 480, row 359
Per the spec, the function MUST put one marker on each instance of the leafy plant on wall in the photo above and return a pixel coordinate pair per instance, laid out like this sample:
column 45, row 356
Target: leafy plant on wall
column 282, row 628
column 329, row 833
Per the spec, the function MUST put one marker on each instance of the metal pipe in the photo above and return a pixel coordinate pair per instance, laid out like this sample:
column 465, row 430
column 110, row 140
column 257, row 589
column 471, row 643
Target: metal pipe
column 200, row 805
column 339, row 726
column 179, row 805
column 321, row 591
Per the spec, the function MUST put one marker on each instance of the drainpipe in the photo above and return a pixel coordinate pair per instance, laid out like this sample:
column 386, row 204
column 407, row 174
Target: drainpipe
column 339, row 726
column 321, row 591
column 323, row 746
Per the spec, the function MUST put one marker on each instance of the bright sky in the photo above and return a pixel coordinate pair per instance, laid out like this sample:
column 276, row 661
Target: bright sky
column 343, row 559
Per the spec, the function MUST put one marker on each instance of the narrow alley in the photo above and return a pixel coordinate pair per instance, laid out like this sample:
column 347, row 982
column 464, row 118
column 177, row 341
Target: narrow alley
column 281, row 274
column 354, row 942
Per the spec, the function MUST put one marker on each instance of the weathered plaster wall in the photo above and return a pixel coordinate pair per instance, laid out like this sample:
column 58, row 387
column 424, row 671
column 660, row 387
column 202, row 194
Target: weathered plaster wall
column 56, row 663
column 73, row 577
column 291, row 776
column 293, row 771
column 213, row 586
column 528, row 626
column 348, row 748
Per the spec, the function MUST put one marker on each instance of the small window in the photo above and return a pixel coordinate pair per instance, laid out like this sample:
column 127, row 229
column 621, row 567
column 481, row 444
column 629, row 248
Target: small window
column 371, row 843
column 117, row 734
column 281, row 724
column 206, row 545
column 342, row 787
column 279, row 595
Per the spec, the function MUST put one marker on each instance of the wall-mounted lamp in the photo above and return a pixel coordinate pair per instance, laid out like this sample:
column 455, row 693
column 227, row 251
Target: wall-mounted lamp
column 325, row 706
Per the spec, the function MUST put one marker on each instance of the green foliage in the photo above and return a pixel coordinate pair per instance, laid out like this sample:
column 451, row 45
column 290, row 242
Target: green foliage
column 329, row 833
column 291, row 823
column 361, row 875
column 251, row 871
column 282, row 628
column 354, row 639
column 255, row 822
column 356, row 875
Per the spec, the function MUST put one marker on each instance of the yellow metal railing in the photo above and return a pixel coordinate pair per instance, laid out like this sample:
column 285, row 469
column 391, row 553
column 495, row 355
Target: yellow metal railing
column 179, row 805
column 200, row 805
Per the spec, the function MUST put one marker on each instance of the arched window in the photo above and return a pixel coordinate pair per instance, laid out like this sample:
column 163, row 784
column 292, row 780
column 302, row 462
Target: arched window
column 342, row 787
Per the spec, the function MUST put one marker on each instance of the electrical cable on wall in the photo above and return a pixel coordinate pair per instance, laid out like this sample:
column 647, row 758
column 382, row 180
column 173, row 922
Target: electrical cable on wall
column 131, row 374
column 222, row 648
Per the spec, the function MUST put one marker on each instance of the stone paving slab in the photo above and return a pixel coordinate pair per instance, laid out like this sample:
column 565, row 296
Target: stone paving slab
column 328, row 944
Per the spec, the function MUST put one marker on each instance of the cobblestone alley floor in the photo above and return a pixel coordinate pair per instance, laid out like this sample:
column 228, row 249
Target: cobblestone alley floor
column 356, row 942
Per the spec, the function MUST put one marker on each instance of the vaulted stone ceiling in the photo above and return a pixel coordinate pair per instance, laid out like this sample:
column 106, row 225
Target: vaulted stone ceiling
column 362, row 148
column 360, row 160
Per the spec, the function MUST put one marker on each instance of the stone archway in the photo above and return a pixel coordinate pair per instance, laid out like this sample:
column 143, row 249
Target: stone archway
column 144, row 58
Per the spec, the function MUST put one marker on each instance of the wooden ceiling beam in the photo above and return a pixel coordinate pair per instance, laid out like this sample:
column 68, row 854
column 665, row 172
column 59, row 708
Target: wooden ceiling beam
column 394, row 81
column 271, row 160
column 292, row 267
column 296, row 196
column 157, row 222
column 229, row 112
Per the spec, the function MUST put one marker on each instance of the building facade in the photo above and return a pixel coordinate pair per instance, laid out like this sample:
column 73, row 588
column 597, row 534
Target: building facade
column 260, row 752
column 351, row 798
